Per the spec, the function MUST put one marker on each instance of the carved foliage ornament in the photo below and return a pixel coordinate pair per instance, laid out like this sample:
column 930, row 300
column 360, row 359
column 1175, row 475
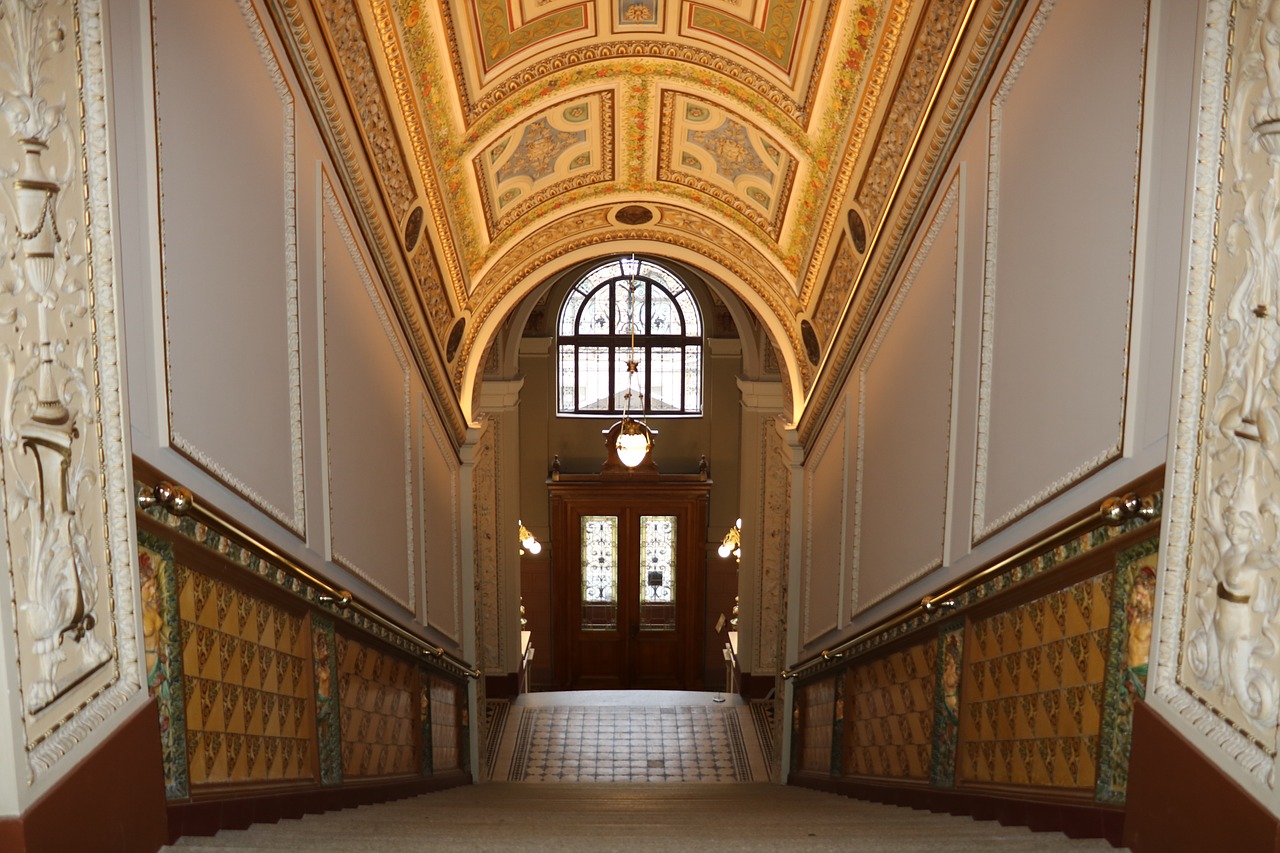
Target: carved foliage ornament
column 1233, row 649
column 63, row 489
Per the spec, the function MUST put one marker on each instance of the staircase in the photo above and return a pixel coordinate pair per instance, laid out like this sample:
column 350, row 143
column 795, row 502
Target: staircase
column 653, row 818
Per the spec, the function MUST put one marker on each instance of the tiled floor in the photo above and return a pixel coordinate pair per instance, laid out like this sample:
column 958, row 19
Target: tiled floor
column 618, row 736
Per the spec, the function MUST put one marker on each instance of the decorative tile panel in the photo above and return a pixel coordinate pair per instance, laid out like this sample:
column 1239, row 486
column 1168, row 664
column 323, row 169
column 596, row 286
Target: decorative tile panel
column 246, row 685
column 328, row 713
column 1132, row 611
column 448, row 719
column 1033, row 702
column 889, row 713
column 162, row 645
column 377, row 693
column 946, row 704
column 816, row 705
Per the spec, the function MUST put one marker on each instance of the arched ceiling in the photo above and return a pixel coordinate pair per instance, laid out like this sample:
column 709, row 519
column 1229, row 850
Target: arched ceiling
column 506, row 139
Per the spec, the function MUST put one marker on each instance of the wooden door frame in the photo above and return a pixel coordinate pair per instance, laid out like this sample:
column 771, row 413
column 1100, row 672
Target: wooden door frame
column 568, row 492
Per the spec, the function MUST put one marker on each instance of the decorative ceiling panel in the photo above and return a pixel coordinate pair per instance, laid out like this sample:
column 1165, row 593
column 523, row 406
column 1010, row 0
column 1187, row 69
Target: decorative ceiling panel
column 565, row 147
column 710, row 149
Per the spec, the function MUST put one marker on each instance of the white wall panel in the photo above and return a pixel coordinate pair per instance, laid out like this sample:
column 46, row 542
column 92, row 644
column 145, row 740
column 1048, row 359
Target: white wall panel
column 367, row 410
column 1063, row 176
column 905, row 421
column 826, row 481
column 225, row 126
column 440, row 528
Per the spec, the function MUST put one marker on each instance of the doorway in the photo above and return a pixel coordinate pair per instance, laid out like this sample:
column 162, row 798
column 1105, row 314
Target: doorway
column 628, row 583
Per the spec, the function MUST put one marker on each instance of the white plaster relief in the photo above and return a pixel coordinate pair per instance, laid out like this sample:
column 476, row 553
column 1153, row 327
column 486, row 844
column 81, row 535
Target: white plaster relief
column 371, row 290
column 63, row 449
column 1222, row 548
column 835, row 429
column 926, row 246
column 294, row 521
column 983, row 527
column 430, row 426
column 775, row 503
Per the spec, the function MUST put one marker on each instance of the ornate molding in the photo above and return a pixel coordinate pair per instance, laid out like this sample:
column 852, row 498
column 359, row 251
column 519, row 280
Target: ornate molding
column 63, row 456
column 1217, row 655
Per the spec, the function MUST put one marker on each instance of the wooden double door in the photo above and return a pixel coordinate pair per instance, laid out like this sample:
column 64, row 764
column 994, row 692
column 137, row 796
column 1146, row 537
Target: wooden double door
column 629, row 577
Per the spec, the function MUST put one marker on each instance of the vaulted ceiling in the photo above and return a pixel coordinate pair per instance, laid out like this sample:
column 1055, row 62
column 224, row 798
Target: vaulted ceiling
column 785, row 147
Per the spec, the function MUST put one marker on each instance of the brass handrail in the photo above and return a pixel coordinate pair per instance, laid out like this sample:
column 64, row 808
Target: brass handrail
column 179, row 500
column 1113, row 511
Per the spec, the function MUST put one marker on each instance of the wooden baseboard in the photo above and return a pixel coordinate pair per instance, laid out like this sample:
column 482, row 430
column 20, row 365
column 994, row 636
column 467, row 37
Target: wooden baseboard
column 1075, row 820
column 1179, row 800
column 207, row 817
column 112, row 801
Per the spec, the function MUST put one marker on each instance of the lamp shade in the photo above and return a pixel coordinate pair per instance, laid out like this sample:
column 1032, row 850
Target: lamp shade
column 633, row 443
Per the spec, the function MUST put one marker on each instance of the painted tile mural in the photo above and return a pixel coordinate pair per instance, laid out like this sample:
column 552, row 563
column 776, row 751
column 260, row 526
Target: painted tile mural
column 946, row 705
column 378, row 697
column 890, row 712
column 161, row 634
column 328, row 716
column 247, row 689
column 1131, row 618
column 1033, row 702
column 448, row 713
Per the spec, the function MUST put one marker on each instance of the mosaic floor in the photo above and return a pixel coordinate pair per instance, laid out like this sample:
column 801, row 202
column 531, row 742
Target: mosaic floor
column 621, row 736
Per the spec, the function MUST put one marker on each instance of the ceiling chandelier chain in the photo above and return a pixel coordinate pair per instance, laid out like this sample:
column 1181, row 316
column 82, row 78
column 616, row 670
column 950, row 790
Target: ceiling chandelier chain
column 635, row 439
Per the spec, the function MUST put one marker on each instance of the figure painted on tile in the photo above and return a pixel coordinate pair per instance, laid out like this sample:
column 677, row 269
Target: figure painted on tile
column 1138, row 613
column 323, row 671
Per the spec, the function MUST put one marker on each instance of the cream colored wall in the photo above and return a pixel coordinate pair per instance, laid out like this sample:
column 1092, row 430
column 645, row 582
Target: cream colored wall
column 270, row 372
column 1021, row 373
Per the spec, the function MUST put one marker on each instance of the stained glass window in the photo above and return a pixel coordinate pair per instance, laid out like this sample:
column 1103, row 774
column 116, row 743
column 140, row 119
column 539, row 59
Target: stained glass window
column 657, row 572
column 599, row 572
column 595, row 329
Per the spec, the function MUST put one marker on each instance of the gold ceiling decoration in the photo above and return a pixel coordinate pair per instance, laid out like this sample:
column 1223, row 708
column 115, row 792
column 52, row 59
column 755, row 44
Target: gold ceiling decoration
column 487, row 128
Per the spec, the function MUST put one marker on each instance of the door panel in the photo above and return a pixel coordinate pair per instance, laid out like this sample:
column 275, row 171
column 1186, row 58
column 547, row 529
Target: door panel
column 630, row 568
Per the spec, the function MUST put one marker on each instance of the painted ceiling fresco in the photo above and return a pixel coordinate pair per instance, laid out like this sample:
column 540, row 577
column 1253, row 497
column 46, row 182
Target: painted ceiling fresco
column 507, row 134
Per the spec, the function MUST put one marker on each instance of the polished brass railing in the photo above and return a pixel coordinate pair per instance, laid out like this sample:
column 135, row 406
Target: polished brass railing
column 179, row 501
column 1113, row 511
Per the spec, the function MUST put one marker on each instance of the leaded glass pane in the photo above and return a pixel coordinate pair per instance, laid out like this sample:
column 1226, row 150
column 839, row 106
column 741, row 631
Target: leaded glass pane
column 594, row 317
column 667, row 378
column 692, row 317
column 618, row 304
column 567, row 371
column 665, row 316
column 569, row 311
column 693, row 379
column 657, row 572
column 593, row 379
column 599, row 572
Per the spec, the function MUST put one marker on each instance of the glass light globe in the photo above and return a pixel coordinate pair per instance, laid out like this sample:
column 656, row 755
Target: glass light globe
column 633, row 443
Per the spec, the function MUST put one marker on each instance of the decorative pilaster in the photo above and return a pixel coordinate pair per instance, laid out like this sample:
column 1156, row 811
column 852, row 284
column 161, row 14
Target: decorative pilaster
column 63, row 454
column 1217, row 660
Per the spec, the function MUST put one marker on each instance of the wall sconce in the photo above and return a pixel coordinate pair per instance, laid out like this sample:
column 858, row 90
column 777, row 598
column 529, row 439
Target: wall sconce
column 528, row 542
column 732, row 544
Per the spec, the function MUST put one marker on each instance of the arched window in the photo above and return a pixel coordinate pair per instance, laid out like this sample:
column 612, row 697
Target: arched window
column 594, row 333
